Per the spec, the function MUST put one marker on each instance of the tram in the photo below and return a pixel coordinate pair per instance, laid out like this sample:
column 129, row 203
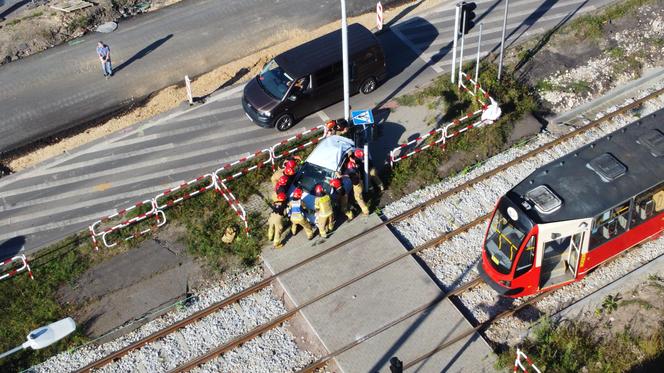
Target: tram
column 578, row 211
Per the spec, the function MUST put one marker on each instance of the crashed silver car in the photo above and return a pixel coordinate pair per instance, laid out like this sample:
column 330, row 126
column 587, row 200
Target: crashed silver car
column 320, row 167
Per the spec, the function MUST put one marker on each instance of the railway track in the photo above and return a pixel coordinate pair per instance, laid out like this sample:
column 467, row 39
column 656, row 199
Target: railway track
column 400, row 217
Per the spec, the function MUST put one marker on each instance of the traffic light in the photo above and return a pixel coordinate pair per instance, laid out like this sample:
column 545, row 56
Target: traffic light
column 468, row 10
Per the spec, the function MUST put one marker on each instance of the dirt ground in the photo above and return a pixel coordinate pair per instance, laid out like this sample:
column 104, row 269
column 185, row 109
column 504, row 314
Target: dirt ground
column 568, row 68
column 36, row 26
column 172, row 96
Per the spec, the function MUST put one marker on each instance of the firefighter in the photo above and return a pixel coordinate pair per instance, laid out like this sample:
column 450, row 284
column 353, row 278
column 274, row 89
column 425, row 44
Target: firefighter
column 280, row 186
column 356, row 163
column 336, row 127
column 296, row 212
column 281, row 171
column 341, row 198
column 324, row 212
column 356, row 179
column 275, row 221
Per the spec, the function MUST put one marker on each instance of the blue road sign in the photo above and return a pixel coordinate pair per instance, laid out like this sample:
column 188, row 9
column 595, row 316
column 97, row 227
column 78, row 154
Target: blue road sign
column 362, row 117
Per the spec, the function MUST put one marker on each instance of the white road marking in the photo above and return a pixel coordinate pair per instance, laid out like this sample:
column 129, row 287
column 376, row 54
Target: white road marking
column 56, row 225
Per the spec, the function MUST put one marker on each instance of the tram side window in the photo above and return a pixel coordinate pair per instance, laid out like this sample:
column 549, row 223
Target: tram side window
column 527, row 257
column 609, row 224
column 648, row 204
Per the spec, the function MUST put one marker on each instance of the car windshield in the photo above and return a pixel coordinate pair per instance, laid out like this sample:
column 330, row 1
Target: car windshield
column 274, row 80
column 310, row 174
column 503, row 242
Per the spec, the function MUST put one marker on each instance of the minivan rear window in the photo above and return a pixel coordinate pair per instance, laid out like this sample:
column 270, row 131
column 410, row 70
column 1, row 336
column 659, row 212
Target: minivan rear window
column 274, row 80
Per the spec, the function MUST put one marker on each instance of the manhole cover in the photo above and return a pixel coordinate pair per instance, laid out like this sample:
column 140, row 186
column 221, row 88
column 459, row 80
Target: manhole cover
column 107, row 27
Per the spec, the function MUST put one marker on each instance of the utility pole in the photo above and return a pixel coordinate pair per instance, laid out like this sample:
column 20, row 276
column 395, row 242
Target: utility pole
column 502, row 40
column 454, row 42
column 344, row 51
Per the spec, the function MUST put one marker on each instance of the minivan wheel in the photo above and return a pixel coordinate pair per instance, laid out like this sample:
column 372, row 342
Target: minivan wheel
column 368, row 86
column 284, row 122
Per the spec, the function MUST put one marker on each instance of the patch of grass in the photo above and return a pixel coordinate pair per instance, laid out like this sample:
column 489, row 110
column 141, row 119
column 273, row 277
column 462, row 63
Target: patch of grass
column 545, row 85
column 14, row 22
column 28, row 304
column 616, row 52
column 579, row 86
column 639, row 302
column 573, row 347
column 33, row 15
column 592, row 26
column 626, row 64
column 82, row 21
column 515, row 101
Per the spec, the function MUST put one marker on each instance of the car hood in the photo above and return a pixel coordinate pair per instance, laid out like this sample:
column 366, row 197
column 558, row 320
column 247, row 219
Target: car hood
column 256, row 96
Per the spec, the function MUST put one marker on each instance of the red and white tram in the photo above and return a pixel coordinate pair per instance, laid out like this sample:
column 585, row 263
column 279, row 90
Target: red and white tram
column 578, row 211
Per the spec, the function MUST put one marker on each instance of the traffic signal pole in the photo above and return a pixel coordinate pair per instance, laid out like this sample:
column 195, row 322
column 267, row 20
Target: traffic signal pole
column 477, row 61
column 344, row 53
column 454, row 42
column 463, row 34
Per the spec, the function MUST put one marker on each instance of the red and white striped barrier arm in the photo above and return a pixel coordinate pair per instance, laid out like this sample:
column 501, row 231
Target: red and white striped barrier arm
column 233, row 202
column 24, row 267
column 165, row 199
column 160, row 218
column 518, row 365
column 121, row 213
column 246, row 170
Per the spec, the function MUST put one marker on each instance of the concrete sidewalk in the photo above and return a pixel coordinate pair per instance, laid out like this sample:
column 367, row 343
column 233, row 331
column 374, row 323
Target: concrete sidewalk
column 63, row 87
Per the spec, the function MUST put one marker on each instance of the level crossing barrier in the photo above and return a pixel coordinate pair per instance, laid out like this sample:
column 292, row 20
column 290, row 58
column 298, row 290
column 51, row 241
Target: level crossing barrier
column 235, row 204
column 159, row 217
column 518, row 365
column 172, row 196
column 438, row 137
column 109, row 223
column 11, row 270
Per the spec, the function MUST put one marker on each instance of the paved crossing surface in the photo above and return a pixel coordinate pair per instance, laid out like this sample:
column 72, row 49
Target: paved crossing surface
column 65, row 195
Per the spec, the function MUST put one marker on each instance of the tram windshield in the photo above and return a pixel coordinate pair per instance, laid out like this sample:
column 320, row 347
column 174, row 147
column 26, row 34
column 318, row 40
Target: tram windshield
column 503, row 242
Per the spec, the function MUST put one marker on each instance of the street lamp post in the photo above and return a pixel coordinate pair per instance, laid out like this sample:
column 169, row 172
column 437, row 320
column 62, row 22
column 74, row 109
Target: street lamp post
column 344, row 52
column 45, row 336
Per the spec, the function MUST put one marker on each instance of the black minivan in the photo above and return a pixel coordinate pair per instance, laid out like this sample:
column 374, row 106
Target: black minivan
column 309, row 77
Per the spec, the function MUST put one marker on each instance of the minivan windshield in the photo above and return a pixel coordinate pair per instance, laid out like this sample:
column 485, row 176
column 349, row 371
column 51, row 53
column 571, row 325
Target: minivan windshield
column 274, row 80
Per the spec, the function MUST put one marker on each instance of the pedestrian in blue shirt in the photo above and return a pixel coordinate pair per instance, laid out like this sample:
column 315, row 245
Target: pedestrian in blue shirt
column 104, row 53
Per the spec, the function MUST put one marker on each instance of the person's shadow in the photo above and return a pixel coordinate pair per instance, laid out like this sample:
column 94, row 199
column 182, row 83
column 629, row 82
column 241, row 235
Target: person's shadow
column 142, row 53
column 11, row 247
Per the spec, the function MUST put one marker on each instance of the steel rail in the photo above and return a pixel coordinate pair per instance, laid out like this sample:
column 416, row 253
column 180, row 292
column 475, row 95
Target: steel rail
column 403, row 215
column 278, row 320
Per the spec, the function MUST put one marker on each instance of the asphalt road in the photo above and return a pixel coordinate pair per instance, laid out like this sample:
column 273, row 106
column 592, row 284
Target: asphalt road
column 68, row 193
column 63, row 87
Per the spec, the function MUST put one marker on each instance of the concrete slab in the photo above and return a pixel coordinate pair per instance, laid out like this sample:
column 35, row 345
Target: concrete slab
column 373, row 302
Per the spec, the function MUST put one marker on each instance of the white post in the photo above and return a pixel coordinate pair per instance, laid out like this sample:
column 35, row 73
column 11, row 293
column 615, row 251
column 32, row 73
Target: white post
column 454, row 42
column 502, row 39
column 366, row 166
column 463, row 33
column 190, row 97
column 344, row 51
column 477, row 61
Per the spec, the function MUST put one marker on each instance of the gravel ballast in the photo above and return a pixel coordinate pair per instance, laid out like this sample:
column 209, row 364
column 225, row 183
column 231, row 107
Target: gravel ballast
column 278, row 351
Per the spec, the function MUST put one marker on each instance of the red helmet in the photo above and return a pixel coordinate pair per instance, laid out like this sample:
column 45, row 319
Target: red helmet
column 288, row 171
column 336, row 183
column 297, row 193
column 359, row 153
column 330, row 124
column 319, row 189
column 290, row 164
column 281, row 196
column 283, row 180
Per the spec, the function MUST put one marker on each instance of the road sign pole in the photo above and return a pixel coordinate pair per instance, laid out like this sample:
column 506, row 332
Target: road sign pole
column 190, row 96
column 477, row 61
column 379, row 16
column 502, row 40
column 463, row 33
column 454, row 40
column 366, row 166
column 344, row 51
